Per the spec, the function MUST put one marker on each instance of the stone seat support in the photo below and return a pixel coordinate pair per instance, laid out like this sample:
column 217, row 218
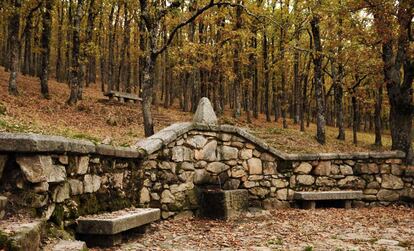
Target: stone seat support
column 122, row 96
column 309, row 199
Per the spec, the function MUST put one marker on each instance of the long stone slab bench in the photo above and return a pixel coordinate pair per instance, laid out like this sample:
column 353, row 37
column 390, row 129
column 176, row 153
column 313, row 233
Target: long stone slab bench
column 122, row 96
column 106, row 229
column 309, row 199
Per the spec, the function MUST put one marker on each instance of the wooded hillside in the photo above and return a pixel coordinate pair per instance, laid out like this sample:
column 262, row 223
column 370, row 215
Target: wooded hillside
column 347, row 64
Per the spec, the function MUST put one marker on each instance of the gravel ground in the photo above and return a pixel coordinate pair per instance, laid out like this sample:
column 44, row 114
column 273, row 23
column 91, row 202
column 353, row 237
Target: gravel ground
column 288, row 229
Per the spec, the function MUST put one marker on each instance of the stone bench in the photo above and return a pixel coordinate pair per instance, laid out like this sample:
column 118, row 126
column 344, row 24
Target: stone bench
column 122, row 96
column 106, row 229
column 309, row 199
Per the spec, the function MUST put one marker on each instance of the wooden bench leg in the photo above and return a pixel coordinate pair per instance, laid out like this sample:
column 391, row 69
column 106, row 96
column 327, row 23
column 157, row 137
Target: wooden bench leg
column 348, row 204
column 309, row 204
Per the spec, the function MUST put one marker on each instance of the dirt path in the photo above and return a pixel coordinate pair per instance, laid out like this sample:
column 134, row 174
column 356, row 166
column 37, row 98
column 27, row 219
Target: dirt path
column 290, row 229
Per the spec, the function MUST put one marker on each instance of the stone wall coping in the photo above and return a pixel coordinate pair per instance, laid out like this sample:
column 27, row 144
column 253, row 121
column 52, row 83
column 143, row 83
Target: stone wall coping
column 36, row 143
column 30, row 142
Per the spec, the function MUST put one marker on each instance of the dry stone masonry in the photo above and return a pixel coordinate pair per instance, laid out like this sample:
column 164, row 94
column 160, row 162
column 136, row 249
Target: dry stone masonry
column 63, row 179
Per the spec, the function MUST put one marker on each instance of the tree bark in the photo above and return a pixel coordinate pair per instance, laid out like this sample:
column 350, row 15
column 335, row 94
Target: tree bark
column 378, row 122
column 75, row 71
column 14, row 27
column 45, row 45
column 317, row 61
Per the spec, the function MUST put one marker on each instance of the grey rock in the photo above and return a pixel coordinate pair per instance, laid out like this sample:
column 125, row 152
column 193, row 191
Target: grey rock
column 208, row 152
column 205, row 113
column 386, row 242
column 117, row 151
column 269, row 168
column 255, row 166
column 76, row 186
column 303, row 168
column 325, row 182
column 306, row 180
column 259, row 191
column 61, row 192
column 217, row 167
column 64, row 245
column 388, row 195
column 91, row 183
column 228, row 153
column 352, row 182
column 197, row 141
column 167, row 197
column 278, row 183
column 38, row 168
column 182, row 153
column 78, row 165
column 246, row 154
column 187, row 166
column 391, row 182
column 144, row 196
column 323, row 168
column 238, row 172
column 346, row 170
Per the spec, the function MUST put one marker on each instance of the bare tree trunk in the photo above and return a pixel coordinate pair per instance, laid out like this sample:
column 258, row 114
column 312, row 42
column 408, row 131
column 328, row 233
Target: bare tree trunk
column 59, row 45
column 14, row 27
column 378, row 122
column 317, row 61
column 75, row 71
column 45, row 45
column 355, row 119
column 237, row 65
column 90, row 75
column 266, row 76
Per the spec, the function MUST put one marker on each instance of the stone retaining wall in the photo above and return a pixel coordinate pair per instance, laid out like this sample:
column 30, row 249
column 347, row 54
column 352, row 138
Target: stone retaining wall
column 62, row 179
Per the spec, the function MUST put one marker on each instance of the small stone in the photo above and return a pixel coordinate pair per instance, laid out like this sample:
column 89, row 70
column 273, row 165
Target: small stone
column 49, row 211
column 144, row 196
column 61, row 193
column 396, row 170
column 197, row 141
column 282, row 194
column 391, row 182
column 255, row 166
column 237, row 144
column 370, row 168
column 306, row 180
column 79, row 165
column 187, row 166
column 278, row 183
column 76, row 186
column 346, row 170
column 409, row 171
column 269, row 168
column 228, row 153
column 165, row 165
column 387, row 195
column 155, row 196
column 352, row 182
column 250, row 184
column 208, row 153
column 33, row 167
column 217, row 167
column 200, row 164
column 250, row 146
column 303, row 168
column 386, row 242
column 91, row 183
column 167, row 197
column 259, row 191
column 63, row 159
column 246, row 154
column 238, row 172
column 323, row 168
column 325, row 182
column 182, row 153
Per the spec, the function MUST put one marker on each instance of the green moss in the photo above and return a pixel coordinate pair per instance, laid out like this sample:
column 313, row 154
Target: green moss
column 4, row 240
column 58, row 215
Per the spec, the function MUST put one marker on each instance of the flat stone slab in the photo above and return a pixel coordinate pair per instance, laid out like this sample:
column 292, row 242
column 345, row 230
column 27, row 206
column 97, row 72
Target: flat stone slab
column 118, row 221
column 64, row 245
column 328, row 195
column 124, row 95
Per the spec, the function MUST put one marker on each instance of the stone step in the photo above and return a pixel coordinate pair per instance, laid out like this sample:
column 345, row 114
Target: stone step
column 3, row 204
column 21, row 234
column 117, row 222
column 65, row 245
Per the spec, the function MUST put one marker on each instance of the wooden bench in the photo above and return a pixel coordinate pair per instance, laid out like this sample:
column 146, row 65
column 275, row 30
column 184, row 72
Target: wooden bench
column 122, row 96
column 309, row 199
column 106, row 229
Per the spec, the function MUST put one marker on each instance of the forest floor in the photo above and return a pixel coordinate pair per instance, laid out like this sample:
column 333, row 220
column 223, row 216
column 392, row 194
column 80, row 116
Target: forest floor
column 289, row 229
column 96, row 118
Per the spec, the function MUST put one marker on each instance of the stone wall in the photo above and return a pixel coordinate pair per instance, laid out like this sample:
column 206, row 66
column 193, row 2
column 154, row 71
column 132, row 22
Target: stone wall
column 62, row 179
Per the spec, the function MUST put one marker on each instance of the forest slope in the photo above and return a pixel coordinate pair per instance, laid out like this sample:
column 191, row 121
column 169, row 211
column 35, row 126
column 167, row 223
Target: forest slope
column 97, row 119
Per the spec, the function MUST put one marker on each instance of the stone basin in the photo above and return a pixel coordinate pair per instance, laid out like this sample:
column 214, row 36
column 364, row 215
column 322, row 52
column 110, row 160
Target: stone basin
column 223, row 204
